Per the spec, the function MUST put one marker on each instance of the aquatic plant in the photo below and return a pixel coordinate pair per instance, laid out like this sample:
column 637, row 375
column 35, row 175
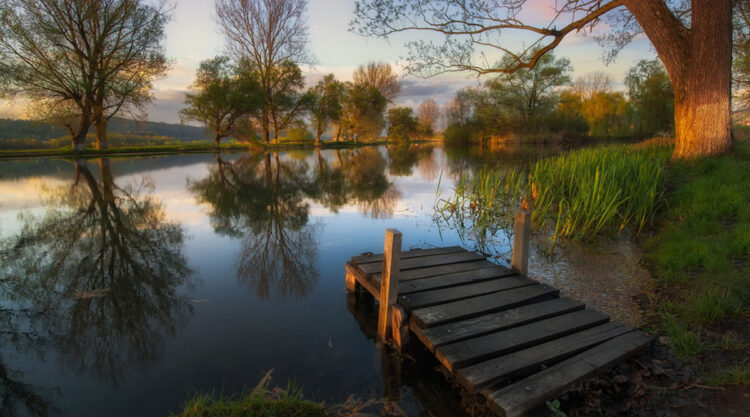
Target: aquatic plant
column 589, row 191
column 481, row 204
column 577, row 195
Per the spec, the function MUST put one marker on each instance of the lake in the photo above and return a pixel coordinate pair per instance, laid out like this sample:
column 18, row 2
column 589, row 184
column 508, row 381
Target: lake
column 130, row 284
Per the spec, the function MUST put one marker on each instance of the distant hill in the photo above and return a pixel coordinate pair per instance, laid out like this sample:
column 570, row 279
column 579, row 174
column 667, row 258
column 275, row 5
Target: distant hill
column 24, row 129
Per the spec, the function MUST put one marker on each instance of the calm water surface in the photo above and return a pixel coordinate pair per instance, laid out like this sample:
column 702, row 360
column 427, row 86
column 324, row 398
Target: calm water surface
column 129, row 284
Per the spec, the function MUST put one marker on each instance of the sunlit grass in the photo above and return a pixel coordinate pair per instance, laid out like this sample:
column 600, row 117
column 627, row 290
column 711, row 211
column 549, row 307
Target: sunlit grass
column 596, row 191
column 578, row 195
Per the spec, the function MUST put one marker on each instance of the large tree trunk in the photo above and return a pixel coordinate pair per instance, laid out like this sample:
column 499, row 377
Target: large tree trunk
column 101, row 133
column 703, row 99
column 698, row 61
column 217, row 140
column 79, row 139
column 266, row 130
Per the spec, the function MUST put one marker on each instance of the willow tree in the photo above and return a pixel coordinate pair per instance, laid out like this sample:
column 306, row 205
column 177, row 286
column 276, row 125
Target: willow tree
column 693, row 38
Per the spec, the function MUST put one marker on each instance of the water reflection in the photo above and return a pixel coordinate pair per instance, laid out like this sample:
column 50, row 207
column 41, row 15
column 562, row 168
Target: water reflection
column 16, row 396
column 264, row 201
column 367, row 185
column 99, row 271
column 412, row 374
column 260, row 200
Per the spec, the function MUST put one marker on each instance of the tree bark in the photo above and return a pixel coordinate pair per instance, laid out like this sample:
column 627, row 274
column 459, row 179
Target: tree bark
column 698, row 61
column 79, row 139
column 101, row 133
column 266, row 130
column 217, row 139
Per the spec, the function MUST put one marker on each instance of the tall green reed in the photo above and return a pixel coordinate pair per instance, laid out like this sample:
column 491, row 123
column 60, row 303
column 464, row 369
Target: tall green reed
column 598, row 190
column 577, row 195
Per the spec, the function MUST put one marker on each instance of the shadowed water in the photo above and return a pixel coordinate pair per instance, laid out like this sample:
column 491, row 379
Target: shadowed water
column 129, row 284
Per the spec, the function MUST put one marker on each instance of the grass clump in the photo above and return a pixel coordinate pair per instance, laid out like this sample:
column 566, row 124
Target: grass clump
column 590, row 191
column 685, row 341
column 738, row 374
column 262, row 401
column 708, row 305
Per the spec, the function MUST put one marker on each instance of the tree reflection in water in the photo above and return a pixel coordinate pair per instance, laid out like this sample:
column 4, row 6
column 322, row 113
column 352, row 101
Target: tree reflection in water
column 261, row 200
column 264, row 201
column 367, row 186
column 100, row 269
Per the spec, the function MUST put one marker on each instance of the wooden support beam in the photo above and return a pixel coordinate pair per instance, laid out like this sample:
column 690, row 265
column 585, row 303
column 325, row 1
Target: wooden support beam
column 399, row 327
column 521, row 236
column 389, row 281
column 351, row 281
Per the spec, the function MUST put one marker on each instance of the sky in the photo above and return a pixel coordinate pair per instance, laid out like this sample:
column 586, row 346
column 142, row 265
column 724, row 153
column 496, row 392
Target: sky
column 192, row 36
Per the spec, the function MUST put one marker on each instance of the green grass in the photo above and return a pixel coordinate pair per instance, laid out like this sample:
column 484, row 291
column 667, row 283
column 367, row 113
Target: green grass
column 260, row 402
column 593, row 191
column 579, row 195
column 738, row 374
column 684, row 340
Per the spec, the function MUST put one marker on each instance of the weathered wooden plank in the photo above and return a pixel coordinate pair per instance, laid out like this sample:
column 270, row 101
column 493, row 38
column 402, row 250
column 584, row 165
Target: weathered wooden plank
column 468, row 352
column 452, row 280
column 389, row 285
column 529, row 361
column 520, row 398
column 433, row 337
column 424, row 261
column 477, row 306
column 414, row 253
column 430, row 298
column 443, row 270
column 372, row 288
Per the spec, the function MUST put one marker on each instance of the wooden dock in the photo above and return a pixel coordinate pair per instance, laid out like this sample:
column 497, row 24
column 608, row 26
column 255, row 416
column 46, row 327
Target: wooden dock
column 500, row 334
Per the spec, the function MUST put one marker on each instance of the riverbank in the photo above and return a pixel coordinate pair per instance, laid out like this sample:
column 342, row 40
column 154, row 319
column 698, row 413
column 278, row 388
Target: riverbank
column 698, row 254
column 180, row 149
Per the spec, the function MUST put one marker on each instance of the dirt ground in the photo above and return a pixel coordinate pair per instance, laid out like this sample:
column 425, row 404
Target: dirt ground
column 608, row 276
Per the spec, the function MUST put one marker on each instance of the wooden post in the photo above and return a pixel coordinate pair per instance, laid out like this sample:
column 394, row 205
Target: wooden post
column 399, row 327
column 521, row 235
column 351, row 281
column 389, row 280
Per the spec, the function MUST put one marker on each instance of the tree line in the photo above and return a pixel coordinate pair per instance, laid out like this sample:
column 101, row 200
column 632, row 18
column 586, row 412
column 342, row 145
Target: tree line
column 544, row 100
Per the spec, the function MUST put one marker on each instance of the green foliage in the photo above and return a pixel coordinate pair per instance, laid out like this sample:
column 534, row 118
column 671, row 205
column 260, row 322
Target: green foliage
column 363, row 111
column 592, row 190
column 401, row 123
column 651, row 97
column 299, row 134
column 223, row 94
column 530, row 93
column 324, row 105
column 606, row 114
